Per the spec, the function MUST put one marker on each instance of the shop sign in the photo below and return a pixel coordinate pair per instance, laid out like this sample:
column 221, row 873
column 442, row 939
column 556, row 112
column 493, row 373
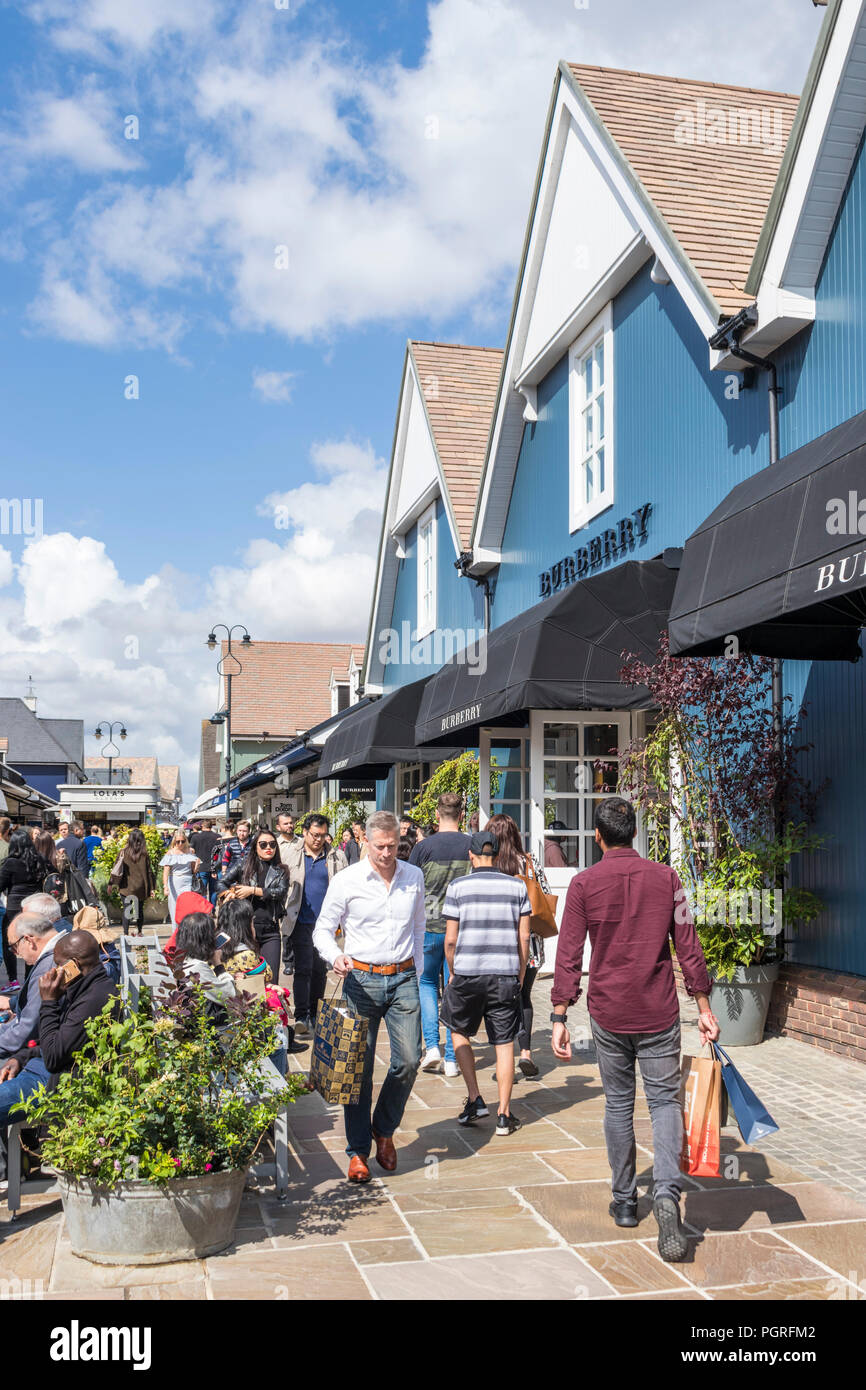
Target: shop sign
column 612, row 544
column 361, row 788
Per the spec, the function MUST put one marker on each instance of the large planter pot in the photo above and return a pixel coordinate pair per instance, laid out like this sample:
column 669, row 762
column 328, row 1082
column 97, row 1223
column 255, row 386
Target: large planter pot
column 155, row 911
column 137, row 1223
column 741, row 1004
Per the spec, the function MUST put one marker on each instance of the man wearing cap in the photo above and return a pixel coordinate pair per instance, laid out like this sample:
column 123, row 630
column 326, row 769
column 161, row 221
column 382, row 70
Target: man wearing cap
column 486, row 917
column 379, row 903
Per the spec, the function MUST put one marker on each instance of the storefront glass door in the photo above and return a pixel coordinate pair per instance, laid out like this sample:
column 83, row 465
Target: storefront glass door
column 504, row 754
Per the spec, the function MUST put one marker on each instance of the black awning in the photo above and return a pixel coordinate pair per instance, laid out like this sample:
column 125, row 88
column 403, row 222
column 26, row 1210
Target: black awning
column 781, row 564
column 563, row 653
column 379, row 735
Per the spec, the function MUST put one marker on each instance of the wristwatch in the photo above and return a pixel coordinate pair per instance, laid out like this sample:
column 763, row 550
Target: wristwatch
column 558, row 1018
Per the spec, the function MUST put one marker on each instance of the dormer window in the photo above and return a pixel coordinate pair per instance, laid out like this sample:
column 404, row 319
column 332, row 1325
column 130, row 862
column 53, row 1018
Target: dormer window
column 591, row 430
column 426, row 572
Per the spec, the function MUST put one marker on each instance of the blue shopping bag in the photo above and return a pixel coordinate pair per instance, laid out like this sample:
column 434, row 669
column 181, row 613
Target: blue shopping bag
column 753, row 1119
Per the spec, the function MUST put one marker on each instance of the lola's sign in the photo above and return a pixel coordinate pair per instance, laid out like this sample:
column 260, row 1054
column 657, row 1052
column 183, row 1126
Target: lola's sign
column 612, row 544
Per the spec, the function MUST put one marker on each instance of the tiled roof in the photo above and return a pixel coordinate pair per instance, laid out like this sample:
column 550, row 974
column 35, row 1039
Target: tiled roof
column 169, row 782
column 209, row 759
column 459, row 385
column 714, row 197
column 285, row 686
column 143, row 772
column 32, row 740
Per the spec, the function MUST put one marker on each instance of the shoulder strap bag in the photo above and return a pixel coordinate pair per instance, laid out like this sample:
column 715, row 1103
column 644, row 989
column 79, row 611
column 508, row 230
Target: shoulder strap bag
column 543, row 919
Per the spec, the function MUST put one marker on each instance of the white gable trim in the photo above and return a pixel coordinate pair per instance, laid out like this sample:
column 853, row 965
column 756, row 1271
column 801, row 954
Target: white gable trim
column 395, row 526
column 652, row 239
column 822, row 164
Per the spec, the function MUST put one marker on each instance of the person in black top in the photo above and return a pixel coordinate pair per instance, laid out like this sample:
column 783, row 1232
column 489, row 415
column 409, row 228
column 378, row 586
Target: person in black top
column 261, row 877
column 64, row 1011
column 22, row 872
column 207, row 846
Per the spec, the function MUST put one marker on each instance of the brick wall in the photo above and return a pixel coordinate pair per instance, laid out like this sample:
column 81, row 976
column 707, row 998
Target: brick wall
column 822, row 1007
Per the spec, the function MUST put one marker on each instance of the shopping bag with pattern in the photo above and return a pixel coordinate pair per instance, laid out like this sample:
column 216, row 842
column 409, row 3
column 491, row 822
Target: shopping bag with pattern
column 339, row 1051
column 700, row 1098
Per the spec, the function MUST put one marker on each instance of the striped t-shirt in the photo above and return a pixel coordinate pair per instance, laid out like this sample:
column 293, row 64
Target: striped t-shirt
column 488, row 906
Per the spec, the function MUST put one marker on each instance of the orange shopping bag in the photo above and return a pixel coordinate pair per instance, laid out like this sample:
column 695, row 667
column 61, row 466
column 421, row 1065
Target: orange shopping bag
column 700, row 1098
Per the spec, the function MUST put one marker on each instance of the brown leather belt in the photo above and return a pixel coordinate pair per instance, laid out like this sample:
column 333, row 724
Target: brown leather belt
column 384, row 969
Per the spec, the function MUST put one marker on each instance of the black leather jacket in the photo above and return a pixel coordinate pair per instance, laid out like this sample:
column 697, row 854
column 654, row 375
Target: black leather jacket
column 276, row 887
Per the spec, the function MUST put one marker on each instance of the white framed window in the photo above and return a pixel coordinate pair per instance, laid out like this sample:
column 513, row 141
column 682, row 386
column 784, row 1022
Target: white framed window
column 591, row 421
column 426, row 572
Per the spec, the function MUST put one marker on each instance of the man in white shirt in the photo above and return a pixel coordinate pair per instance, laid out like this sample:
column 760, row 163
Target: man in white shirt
column 379, row 903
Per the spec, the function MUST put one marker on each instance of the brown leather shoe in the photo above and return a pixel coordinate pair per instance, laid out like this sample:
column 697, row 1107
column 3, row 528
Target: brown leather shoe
column 386, row 1154
column 358, row 1170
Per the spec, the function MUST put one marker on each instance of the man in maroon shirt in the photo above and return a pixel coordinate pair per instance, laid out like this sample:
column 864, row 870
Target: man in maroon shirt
column 632, row 909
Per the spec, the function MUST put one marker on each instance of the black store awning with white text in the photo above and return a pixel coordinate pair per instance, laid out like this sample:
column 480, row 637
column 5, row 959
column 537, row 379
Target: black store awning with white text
column 563, row 653
column 378, row 736
column 781, row 563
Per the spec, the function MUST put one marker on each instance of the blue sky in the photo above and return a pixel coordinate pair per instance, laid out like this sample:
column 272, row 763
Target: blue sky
column 391, row 148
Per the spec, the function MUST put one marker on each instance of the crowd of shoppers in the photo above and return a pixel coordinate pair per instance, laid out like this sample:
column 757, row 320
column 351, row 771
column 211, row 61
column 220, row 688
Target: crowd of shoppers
column 426, row 928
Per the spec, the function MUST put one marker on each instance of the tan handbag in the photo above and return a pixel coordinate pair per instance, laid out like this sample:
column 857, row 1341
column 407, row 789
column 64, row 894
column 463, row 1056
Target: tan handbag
column 543, row 919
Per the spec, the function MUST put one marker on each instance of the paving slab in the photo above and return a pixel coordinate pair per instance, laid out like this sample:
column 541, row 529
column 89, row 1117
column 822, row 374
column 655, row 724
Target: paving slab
column 841, row 1246
column 749, row 1257
column 747, row 1207
column 579, row 1212
column 629, row 1267
column 549, row 1275
column 480, row 1230
column 321, row 1272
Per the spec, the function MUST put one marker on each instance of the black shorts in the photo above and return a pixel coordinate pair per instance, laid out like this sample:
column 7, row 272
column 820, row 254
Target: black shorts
column 494, row 998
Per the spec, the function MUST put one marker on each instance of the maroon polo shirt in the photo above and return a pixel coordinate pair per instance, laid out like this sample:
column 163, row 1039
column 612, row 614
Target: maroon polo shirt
column 632, row 909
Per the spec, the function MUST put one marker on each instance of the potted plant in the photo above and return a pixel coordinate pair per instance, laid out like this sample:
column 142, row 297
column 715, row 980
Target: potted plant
column 154, row 1129
column 104, row 860
column 725, row 802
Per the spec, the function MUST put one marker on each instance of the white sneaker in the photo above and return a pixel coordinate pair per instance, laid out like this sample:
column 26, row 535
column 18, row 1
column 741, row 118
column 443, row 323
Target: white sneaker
column 432, row 1059
column 452, row 1069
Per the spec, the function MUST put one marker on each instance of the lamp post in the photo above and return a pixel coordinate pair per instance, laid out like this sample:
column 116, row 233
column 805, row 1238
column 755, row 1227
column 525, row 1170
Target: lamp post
column 227, row 667
column 97, row 733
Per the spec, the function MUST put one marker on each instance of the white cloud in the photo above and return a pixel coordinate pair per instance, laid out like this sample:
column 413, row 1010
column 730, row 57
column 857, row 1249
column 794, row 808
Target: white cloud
column 274, row 387
column 82, row 130
column 98, row 647
column 398, row 191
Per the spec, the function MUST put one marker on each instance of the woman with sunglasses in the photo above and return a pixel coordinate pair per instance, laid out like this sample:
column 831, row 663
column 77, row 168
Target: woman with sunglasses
column 261, row 877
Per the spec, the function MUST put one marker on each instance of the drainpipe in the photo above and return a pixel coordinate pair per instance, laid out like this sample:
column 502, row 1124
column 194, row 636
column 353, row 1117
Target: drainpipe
column 773, row 391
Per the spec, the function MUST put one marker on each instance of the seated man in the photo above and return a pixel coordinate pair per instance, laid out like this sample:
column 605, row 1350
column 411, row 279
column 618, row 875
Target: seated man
column 31, row 937
column 64, row 1008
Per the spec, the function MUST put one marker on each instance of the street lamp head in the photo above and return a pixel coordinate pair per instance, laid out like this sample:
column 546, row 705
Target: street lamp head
column 123, row 733
column 97, row 732
column 246, row 640
column 211, row 640
column 216, row 719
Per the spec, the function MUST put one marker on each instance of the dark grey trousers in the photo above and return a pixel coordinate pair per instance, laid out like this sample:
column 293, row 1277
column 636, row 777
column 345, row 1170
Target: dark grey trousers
column 658, row 1056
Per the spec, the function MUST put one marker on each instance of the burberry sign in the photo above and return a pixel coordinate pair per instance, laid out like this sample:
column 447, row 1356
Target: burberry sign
column 613, row 543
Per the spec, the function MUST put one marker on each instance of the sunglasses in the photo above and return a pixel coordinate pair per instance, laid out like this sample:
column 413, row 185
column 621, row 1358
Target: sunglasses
column 267, row 844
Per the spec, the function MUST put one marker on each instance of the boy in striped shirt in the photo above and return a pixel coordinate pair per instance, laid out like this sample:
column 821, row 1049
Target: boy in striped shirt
column 486, row 917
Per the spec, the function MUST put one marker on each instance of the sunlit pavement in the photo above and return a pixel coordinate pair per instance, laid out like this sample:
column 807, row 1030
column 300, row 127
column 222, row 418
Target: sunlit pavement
column 470, row 1215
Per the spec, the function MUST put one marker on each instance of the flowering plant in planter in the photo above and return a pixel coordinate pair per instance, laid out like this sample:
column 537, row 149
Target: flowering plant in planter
column 164, row 1093
column 723, row 801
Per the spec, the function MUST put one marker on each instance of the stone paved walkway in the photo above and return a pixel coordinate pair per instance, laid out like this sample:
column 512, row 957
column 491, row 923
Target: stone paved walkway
column 468, row 1215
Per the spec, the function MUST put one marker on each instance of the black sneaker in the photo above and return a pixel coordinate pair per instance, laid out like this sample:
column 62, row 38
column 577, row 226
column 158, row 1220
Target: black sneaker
column 624, row 1213
column 672, row 1244
column 472, row 1110
column 506, row 1124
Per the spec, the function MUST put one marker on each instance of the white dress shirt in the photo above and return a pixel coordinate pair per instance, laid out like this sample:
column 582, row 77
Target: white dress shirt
column 383, row 923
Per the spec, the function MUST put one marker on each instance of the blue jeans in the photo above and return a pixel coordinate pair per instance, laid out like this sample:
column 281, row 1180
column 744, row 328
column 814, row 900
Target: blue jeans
column 29, row 1079
column 434, row 964
column 393, row 998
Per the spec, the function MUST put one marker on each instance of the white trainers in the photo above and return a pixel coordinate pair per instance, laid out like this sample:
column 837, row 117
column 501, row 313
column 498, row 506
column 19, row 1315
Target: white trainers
column 452, row 1069
column 432, row 1059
